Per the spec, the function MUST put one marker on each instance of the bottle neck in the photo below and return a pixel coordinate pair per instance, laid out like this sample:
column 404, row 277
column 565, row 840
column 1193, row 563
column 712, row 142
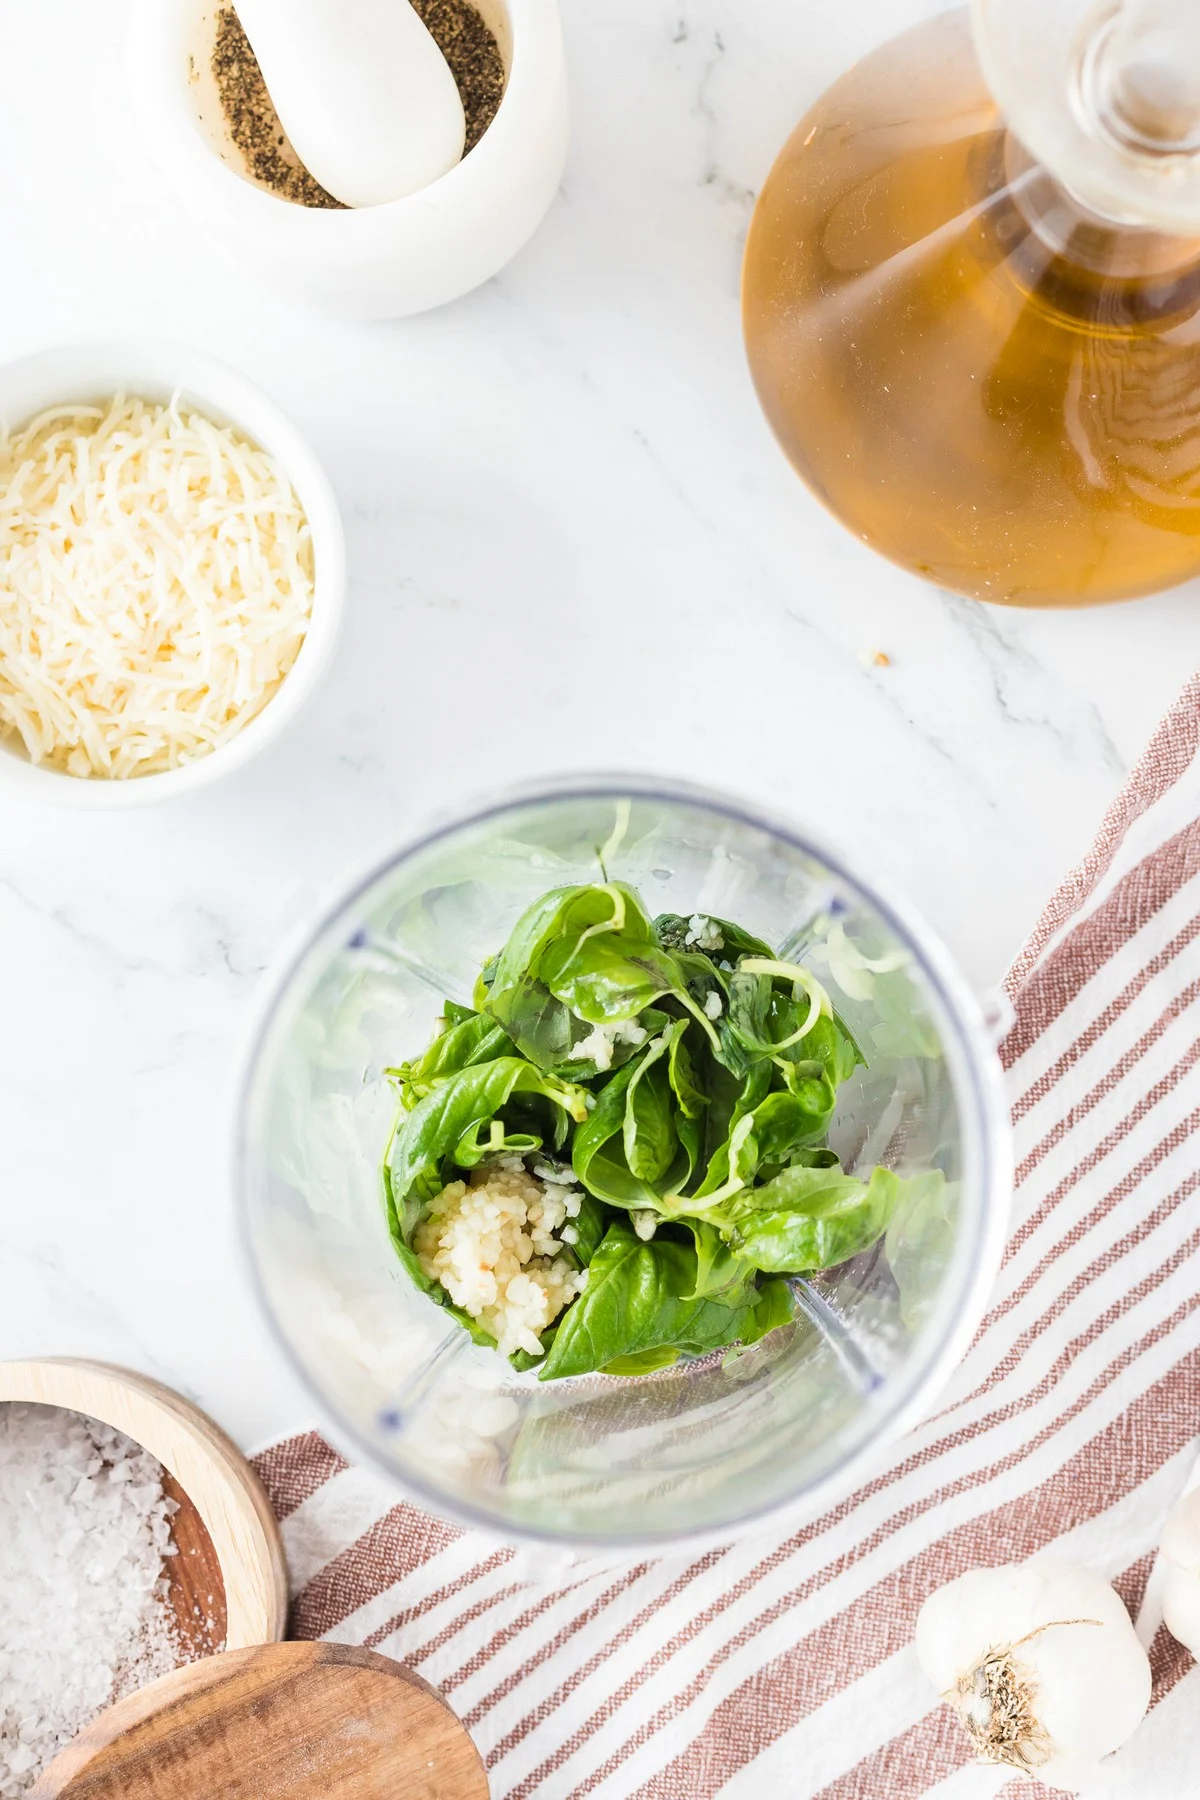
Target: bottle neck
column 1105, row 94
column 1065, row 226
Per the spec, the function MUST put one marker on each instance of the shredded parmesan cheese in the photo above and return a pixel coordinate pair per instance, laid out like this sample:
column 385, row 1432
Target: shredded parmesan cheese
column 156, row 579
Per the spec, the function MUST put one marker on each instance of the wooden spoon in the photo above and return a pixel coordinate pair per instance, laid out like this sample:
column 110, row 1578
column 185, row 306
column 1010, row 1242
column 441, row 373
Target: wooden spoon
column 284, row 1722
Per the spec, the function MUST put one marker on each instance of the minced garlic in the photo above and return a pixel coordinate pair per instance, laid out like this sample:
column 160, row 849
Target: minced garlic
column 498, row 1247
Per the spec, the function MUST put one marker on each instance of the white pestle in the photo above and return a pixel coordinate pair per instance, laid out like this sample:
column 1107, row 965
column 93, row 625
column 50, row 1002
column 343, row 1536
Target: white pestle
column 362, row 91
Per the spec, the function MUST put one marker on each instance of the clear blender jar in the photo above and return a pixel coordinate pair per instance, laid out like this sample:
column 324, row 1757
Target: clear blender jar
column 708, row 1445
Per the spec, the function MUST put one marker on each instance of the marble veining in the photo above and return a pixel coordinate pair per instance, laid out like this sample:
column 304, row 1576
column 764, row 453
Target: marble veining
column 573, row 543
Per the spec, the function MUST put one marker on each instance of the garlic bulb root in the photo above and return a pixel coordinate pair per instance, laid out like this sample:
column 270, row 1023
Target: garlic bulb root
column 1041, row 1663
column 996, row 1702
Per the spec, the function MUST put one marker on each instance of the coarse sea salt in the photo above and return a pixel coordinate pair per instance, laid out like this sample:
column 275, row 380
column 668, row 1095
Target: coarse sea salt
column 84, row 1529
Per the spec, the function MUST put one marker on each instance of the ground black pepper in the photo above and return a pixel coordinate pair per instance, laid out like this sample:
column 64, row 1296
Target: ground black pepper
column 467, row 43
column 471, row 50
column 252, row 120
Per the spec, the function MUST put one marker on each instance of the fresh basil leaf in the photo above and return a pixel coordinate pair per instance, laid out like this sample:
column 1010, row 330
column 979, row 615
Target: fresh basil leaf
column 483, row 985
column 793, row 1119
column 733, row 1162
column 607, row 980
column 648, row 1128
column 542, row 1028
column 849, row 1055
column 590, row 1225
column 719, row 1272
column 426, row 1284
column 812, row 1218
column 509, row 988
column 751, row 999
column 425, row 1137
column 767, row 1128
column 466, row 1041
column 765, row 1016
column 796, row 1189
column 814, row 1099
column 582, row 1062
column 566, row 911
column 545, row 1031
column 562, row 1126
column 674, row 931
column 684, row 1080
column 591, row 949
column 605, row 1121
column 731, row 1053
column 557, row 930
column 774, row 1306
column 701, row 980
column 635, row 1301
column 682, row 1173
column 598, row 1148
column 654, row 1021
column 647, row 1363
column 830, row 1044
column 610, row 1179
column 738, row 942
column 579, row 958
column 724, row 1090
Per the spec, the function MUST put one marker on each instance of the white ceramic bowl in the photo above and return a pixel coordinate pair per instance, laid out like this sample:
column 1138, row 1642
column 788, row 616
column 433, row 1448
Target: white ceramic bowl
column 155, row 371
column 372, row 262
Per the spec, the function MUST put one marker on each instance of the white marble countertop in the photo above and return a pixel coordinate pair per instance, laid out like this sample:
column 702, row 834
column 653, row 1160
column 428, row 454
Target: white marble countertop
column 566, row 473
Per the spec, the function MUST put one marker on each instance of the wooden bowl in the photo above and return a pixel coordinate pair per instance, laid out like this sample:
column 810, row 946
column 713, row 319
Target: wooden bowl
column 228, row 1582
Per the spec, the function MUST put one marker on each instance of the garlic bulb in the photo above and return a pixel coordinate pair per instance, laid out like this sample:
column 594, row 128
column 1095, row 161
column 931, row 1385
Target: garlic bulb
column 1180, row 1552
column 1041, row 1664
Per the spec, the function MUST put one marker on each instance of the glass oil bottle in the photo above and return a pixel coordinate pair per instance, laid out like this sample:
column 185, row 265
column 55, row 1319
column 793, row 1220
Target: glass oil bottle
column 972, row 299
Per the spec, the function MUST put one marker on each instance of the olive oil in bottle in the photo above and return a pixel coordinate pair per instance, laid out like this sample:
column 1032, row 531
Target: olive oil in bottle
column 982, row 350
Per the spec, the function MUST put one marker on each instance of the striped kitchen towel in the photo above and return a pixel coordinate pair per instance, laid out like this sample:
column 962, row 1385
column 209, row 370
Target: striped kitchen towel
column 780, row 1668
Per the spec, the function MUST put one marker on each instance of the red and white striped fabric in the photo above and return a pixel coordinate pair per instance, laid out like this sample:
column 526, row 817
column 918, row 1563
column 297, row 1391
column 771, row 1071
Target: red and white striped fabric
column 780, row 1668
